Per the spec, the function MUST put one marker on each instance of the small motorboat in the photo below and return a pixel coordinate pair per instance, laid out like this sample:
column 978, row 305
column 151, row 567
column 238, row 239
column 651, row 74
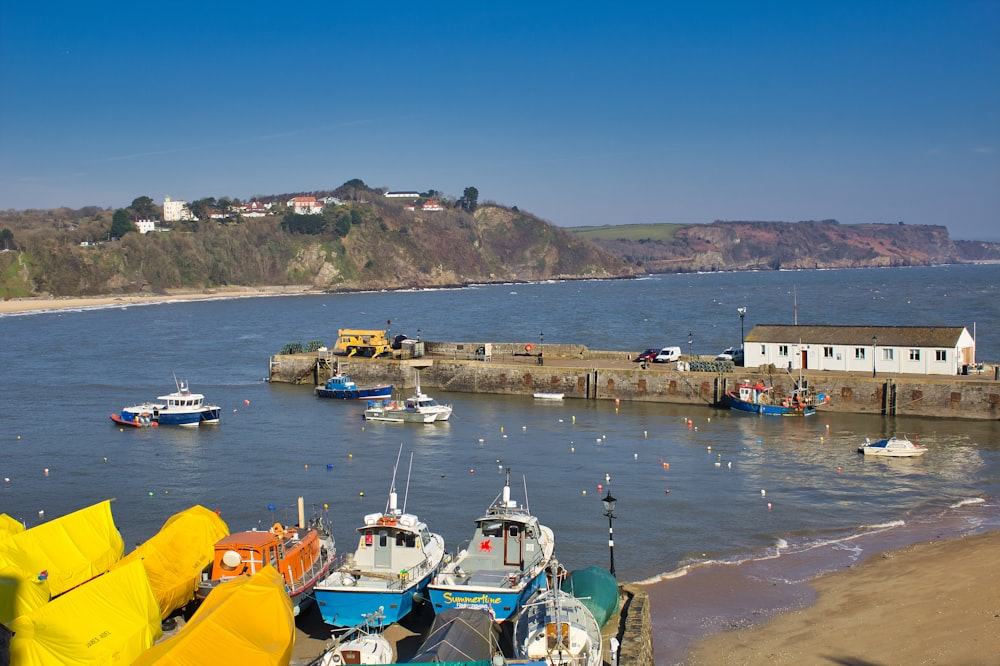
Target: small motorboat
column 342, row 387
column 363, row 644
column 418, row 408
column 541, row 395
column 893, row 447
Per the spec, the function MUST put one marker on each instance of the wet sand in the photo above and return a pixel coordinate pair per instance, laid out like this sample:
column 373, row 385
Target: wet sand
column 929, row 603
column 20, row 305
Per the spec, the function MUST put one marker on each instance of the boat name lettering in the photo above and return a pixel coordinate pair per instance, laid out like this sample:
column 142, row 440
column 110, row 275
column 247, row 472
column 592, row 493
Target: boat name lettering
column 452, row 598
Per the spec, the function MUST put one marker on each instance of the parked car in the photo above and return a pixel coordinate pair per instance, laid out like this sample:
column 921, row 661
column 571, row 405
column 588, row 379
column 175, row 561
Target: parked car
column 733, row 354
column 668, row 354
column 647, row 355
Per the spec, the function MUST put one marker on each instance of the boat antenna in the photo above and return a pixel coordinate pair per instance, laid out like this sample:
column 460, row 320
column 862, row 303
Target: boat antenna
column 392, row 486
column 524, row 480
column 406, row 493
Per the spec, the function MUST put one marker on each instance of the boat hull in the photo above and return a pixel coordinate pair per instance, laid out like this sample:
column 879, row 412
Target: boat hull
column 348, row 606
column 769, row 410
column 501, row 603
column 359, row 393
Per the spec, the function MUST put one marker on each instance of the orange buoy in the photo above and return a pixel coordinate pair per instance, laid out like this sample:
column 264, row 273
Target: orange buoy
column 528, row 347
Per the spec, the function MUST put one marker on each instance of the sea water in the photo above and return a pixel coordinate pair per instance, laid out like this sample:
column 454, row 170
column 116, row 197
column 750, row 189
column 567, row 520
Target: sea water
column 694, row 485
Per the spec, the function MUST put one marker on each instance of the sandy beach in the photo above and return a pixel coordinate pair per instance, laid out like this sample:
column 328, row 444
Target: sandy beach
column 929, row 603
column 20, row 305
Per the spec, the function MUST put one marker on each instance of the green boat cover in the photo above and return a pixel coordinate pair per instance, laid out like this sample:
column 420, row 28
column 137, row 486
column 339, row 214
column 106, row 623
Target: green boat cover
column 597, row 589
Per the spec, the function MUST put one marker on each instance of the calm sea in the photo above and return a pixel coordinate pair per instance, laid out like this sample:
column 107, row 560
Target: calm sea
column 694, row 484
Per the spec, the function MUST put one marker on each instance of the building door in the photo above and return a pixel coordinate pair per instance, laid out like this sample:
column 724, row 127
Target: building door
column 805, row 359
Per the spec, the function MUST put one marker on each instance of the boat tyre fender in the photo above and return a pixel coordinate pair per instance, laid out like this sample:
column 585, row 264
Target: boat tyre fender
column 277, row 529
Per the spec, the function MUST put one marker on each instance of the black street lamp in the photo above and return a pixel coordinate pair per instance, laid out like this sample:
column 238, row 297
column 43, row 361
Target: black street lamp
column 874, row 345
column 609, row 511
column 541, row 341
column 690, row 342
column 743, row 312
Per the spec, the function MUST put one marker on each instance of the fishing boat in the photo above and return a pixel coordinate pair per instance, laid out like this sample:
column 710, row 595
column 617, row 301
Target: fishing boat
column 501, row 566
column 363, row 644
column 181, row 408
column 396, row 557
column 557, row 629
column 302, row 553
column 342, row 387
column 892, row 447
column 758, row 398
column 418, row 408
column 542, row 395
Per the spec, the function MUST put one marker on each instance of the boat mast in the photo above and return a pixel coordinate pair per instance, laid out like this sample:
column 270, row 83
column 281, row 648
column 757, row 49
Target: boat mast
column 406, row 493
column 391, row 502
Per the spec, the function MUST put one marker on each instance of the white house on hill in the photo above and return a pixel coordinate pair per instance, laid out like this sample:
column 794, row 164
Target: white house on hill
column 921, row 350
column 175, row 211
column 305, row 205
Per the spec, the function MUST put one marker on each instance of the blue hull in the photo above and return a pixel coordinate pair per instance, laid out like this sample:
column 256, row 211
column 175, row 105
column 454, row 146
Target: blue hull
column 360, row 393
column 770, row 410
column 502, row 605
column 351, row 607
column 172, row 418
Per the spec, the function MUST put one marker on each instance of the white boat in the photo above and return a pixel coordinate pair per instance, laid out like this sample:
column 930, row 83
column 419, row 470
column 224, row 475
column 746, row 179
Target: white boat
column 548, row 396
column 363, row 644
column 558, row 629
column 502, row 566
column 418, row 408
column 181, row 408
column 893, row 447
column 396, row 557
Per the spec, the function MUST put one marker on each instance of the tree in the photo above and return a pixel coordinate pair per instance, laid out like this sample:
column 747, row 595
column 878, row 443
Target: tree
column 351, row 189
column 121, row 224
column 7, row 239
column 143, row 208
column 469, row 200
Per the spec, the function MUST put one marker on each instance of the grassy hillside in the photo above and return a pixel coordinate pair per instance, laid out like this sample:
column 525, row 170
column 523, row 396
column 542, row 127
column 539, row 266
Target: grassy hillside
column 631, row 232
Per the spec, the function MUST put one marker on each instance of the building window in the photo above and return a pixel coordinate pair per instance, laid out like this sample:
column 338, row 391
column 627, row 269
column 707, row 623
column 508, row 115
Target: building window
column 859, row 353
column 914, row 354
column 782, row 350
column 827, row 352
column 887, row 354
column 941, row 355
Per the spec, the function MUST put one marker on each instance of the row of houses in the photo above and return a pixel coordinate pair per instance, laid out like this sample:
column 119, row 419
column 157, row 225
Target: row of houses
column 175, row 210
column 922, row 350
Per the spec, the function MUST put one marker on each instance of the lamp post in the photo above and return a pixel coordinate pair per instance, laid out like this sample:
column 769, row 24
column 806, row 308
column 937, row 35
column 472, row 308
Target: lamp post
column 742, row 312
column 690, row 342
column 874, row 345
column 541, row 341
column 609, row 511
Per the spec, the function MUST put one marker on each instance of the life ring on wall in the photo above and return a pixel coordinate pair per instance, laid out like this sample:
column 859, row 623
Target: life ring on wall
column 528, row 347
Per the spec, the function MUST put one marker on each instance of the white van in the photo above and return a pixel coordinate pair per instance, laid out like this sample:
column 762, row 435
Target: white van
column 668, row 354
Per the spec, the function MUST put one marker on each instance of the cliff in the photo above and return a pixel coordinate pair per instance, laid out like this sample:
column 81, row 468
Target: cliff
column 782, row 245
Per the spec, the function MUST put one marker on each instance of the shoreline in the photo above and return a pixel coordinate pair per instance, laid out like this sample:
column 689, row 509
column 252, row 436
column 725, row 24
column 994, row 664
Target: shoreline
column 49, row 304
column 903, row 596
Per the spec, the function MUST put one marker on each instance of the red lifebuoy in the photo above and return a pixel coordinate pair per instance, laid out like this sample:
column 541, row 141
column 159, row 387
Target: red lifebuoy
column 528, row 347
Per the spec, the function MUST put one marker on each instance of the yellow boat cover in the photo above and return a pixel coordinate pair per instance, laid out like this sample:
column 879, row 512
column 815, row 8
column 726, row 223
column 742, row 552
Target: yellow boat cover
column 175, row 557
column 60, row 554
column 110, row 620
column 247, row 620
column 9, row 526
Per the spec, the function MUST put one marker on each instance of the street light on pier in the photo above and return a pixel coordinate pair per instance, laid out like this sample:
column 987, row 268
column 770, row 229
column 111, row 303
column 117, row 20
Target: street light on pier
column 874, row 345
column 609, row 511
column 690, row 343
column 743, row 312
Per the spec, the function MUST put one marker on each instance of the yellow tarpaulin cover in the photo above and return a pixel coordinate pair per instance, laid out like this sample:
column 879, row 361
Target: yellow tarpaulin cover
column 64, row 553
column 247, row 620
column 175, row 557
column 9, row 526
column 109, row 620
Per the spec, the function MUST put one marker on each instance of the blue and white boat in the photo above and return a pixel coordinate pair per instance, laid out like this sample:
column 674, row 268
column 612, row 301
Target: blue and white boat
column 503, row 564
column 342, row 387
column 758, row 398
column 181, row 408
column 396, row 557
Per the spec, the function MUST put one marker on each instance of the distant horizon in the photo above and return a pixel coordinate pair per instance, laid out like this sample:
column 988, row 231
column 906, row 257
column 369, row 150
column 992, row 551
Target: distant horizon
column 582, row 115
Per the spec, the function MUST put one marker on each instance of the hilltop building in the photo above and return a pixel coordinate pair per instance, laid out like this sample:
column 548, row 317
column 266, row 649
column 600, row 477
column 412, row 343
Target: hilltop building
column 175, row 211
column 305, row 205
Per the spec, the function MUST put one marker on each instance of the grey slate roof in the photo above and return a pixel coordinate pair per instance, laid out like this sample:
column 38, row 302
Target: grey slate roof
column 944, row 337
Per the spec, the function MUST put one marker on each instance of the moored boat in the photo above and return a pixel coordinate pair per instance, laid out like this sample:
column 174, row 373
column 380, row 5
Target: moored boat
column 342, row 387
column 503, row 564
column 542, row 395
column 418, row 408
column 892, row 447
column 758, row 398
column 303, row 554
column 181, row 408
column 363, row 644
column 558, row 629
column 395, row 558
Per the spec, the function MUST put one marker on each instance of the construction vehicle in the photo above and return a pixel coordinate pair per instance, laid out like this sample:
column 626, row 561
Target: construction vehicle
column 351, row 342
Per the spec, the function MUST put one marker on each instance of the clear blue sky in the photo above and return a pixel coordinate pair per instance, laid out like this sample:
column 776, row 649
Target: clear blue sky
column 583, row 113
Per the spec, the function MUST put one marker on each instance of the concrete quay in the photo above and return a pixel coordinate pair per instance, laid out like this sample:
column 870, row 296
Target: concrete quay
column 580, row 373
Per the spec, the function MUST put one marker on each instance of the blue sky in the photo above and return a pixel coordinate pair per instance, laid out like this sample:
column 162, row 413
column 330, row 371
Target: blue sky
column 582, row 113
